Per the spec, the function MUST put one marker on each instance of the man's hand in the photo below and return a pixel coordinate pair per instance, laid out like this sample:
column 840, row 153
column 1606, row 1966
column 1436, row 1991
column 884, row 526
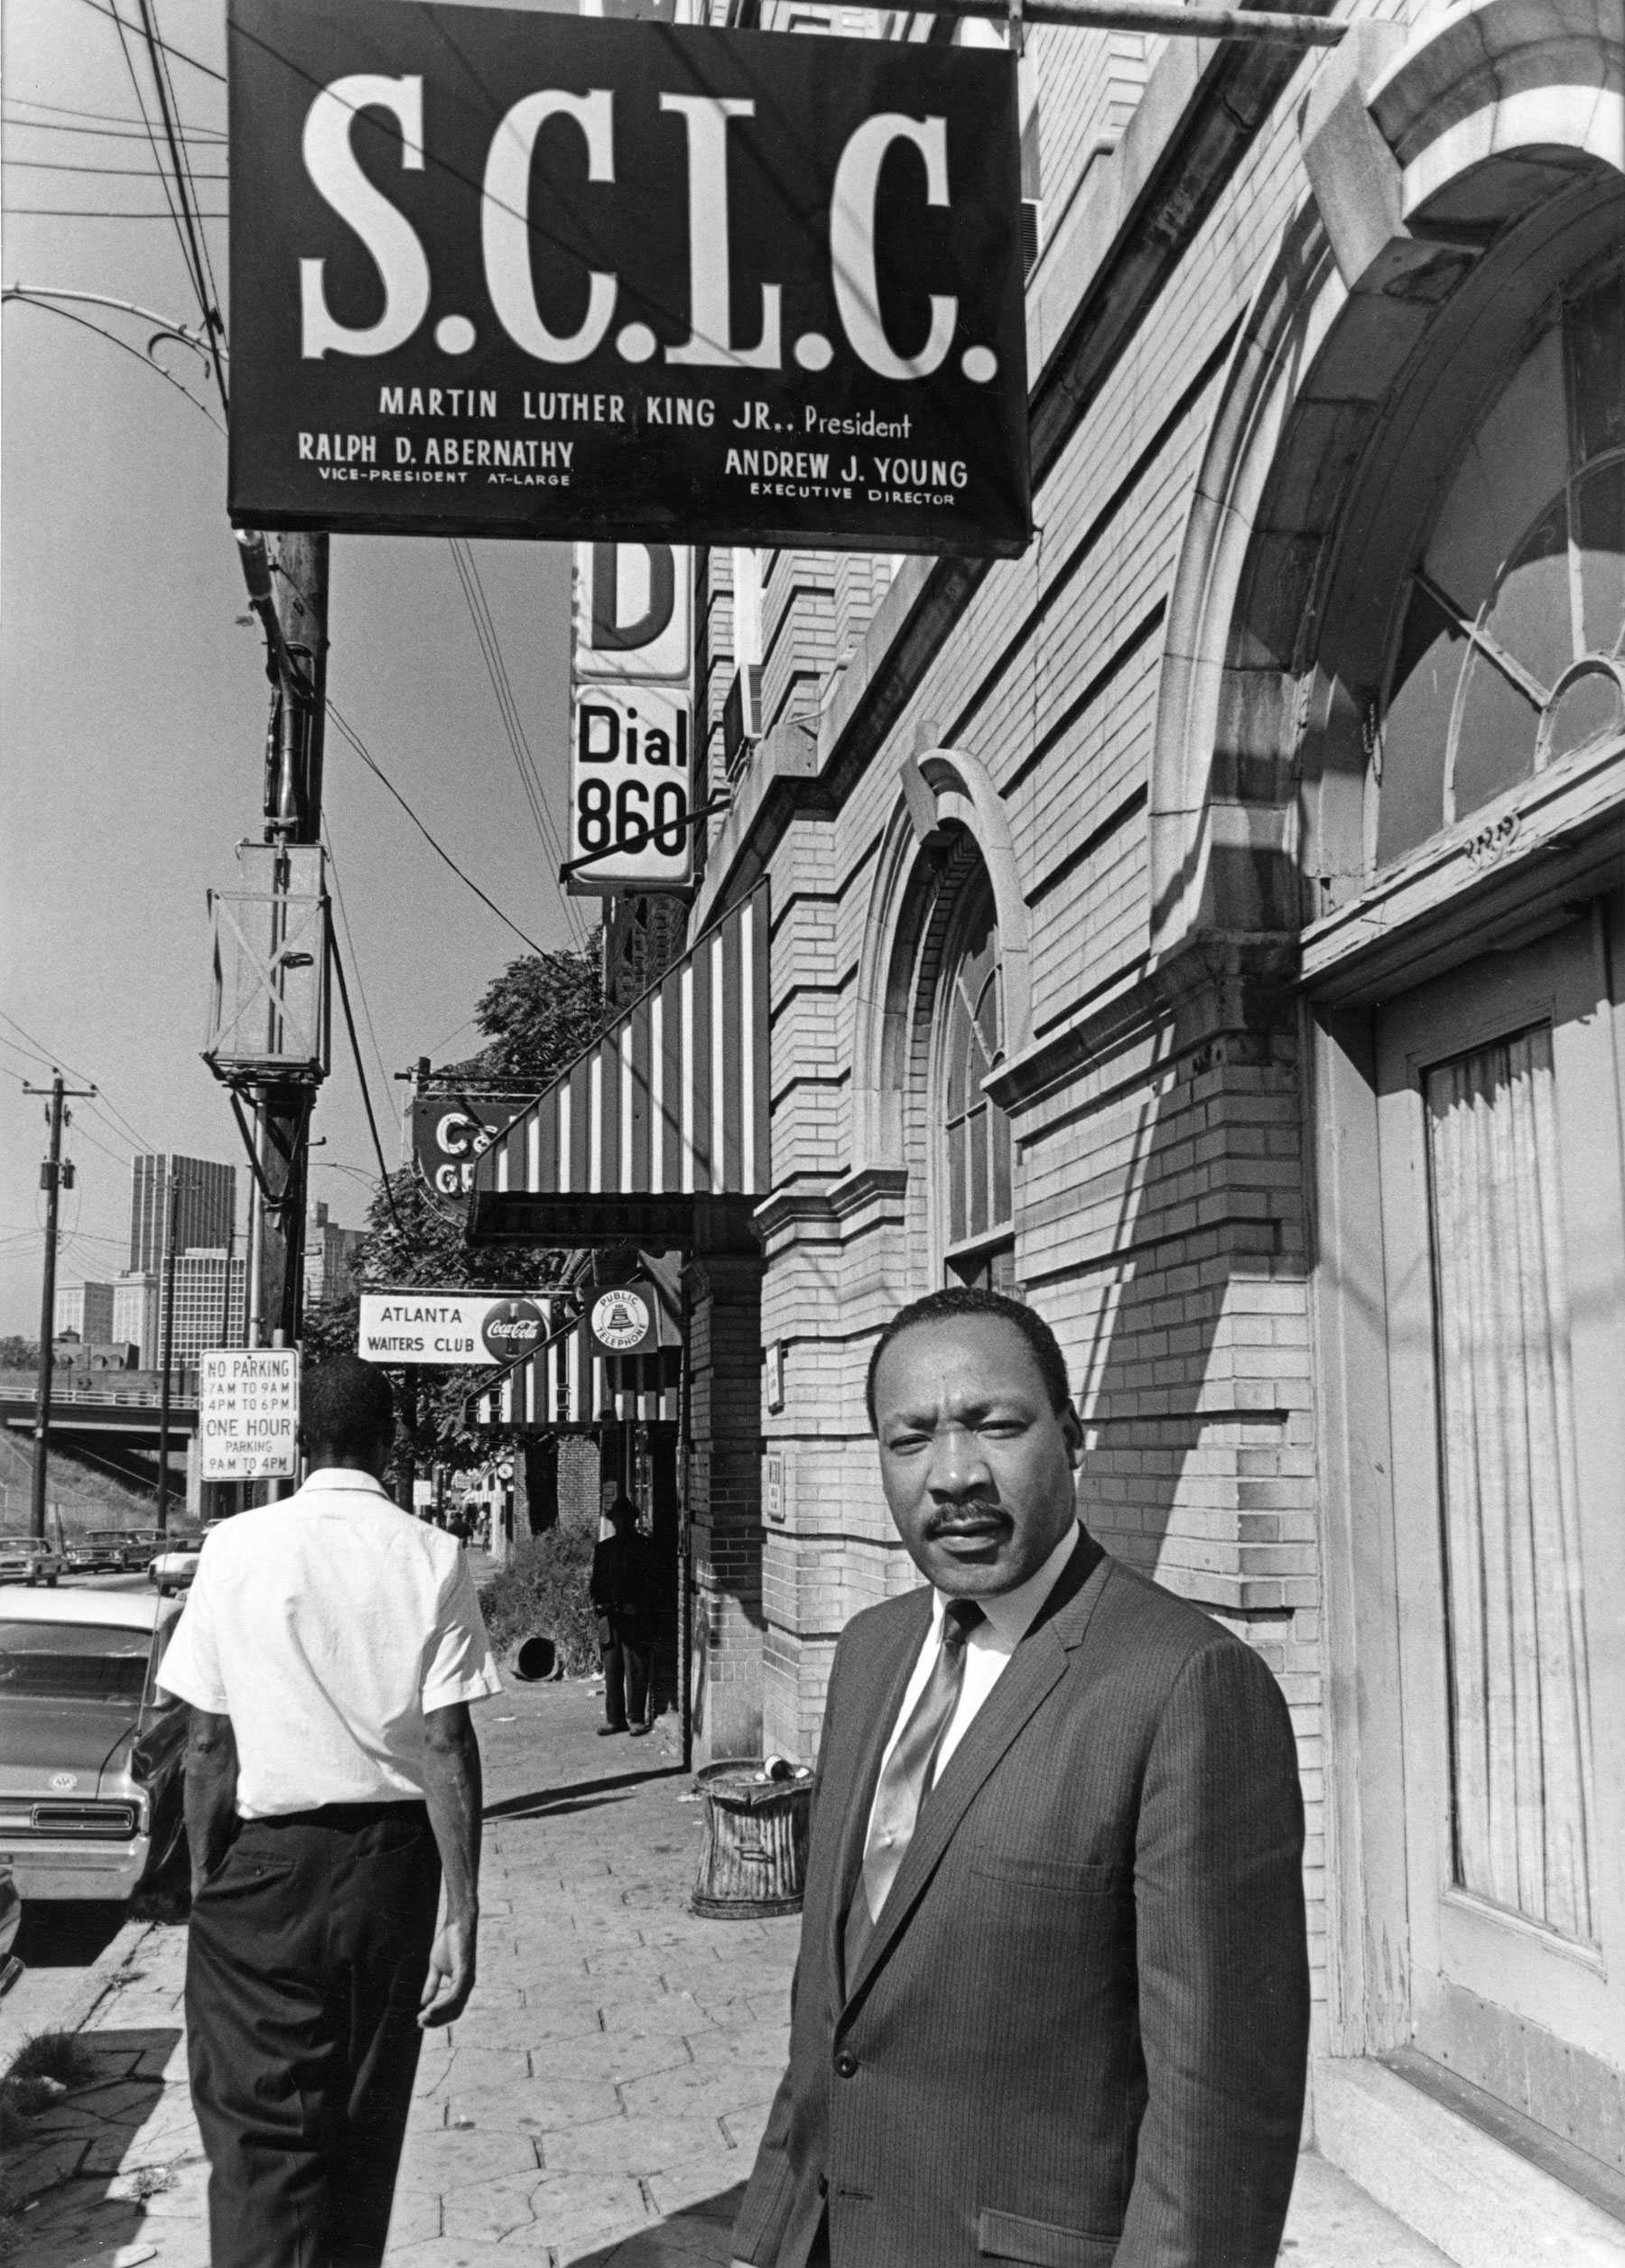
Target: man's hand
column 452, row 1788
column 210, row 1796
column 451, row 1977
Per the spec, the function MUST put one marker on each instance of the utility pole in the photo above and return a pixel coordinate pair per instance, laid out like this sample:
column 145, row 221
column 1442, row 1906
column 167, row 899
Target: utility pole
column 292, row 816
column 168, row 1335
column 51, row 1180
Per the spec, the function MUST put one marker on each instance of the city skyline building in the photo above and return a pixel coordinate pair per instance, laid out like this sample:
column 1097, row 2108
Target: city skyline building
column 329, row 1256
column 136, row 1312
column 205, row 1208
column 85, row 1311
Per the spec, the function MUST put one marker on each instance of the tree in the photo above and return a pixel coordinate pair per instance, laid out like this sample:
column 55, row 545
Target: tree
column 537, row 1017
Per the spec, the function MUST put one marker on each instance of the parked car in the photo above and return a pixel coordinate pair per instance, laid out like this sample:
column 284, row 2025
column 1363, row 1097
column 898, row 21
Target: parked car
column 29, row 1560
column 176, row 1561
column 91, row 1749
column 11, row 1921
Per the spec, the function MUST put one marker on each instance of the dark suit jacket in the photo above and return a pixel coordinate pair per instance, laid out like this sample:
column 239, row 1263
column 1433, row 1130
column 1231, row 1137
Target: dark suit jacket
column 619, row 1586
column 1078, row 2035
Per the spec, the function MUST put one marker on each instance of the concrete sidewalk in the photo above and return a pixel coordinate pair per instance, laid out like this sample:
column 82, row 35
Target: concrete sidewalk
column 602, row 2099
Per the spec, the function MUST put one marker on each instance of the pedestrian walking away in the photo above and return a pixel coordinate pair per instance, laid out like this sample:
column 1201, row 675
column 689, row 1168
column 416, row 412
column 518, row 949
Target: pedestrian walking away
column 619, row 1590
column 1052, row 1999
column 330, row 1649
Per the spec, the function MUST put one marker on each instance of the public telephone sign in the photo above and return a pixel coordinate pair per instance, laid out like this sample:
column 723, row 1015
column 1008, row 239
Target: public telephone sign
column 248, row 1412
column 516, row 273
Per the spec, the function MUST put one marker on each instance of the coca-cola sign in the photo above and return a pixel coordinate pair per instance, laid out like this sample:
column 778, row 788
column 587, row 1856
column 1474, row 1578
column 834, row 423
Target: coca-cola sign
column 513, row 1328
column 498, row 273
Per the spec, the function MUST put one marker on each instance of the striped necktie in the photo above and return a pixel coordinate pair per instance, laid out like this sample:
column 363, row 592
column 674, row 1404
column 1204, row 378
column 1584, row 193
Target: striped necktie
column 906, row 1779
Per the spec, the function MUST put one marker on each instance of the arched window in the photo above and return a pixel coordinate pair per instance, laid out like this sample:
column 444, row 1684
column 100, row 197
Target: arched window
column 979, row 1227
column 1510, row 646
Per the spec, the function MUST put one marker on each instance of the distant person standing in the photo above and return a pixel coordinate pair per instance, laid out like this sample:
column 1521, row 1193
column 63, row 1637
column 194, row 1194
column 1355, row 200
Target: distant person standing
column 619, row 1590
column 329, row 1650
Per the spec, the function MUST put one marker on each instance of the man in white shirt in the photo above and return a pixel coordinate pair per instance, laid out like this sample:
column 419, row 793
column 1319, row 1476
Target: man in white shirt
column 330, row 1647
column 1052, row 2004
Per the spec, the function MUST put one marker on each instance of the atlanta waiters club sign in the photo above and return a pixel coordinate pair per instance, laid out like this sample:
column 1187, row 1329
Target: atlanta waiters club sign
column 505, row 274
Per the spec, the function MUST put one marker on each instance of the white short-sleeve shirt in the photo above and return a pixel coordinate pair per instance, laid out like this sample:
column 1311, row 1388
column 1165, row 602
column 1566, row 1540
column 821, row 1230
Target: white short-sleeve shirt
column 324, row 1627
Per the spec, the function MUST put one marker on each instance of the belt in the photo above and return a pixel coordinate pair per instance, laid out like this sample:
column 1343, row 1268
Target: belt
column 346, row 1818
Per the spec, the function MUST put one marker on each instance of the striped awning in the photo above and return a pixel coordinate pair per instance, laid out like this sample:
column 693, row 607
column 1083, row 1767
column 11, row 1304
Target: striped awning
column 571, row 1388
column 665, row 1115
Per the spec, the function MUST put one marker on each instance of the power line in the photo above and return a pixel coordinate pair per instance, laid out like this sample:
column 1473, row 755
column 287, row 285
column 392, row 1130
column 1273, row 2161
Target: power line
column 170, row 110
column 94, row 212
column 507, row 709
column 180, row 53
column 50, row 307
column 362, row 750
column 92, row 172
column 141, row 107
column 372, row 1123
column 109, row 118
column 349, row 939
column 104, row 1100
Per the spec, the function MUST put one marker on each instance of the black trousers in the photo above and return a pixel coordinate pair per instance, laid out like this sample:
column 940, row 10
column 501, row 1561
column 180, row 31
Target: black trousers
column 305, row 1960
column 626, row 1673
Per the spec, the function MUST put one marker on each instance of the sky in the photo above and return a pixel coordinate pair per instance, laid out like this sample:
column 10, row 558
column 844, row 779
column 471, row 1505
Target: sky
column 133, row 698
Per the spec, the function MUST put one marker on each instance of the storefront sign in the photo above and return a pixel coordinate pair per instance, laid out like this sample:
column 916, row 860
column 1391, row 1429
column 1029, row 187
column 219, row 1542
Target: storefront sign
column 505, row 274
column 457, row 1329
column 630, row 701
column 450, row 1131
column 248, row 1412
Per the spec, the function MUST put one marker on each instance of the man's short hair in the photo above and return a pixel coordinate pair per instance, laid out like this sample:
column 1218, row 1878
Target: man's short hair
column 961, row 1299
column 346, row 1405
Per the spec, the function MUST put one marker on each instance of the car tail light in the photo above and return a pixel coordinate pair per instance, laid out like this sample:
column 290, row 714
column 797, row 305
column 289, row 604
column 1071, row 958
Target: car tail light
column 84, row 1818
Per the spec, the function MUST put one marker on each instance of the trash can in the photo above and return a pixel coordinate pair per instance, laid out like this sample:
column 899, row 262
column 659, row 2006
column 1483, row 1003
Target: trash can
column 536, row 1658
column 753, row 1864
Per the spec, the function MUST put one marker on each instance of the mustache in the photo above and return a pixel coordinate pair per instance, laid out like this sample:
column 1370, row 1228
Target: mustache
column 971, row 1512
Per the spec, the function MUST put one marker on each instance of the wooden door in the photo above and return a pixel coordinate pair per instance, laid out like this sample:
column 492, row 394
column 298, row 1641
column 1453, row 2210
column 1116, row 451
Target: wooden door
column 1503, row 1208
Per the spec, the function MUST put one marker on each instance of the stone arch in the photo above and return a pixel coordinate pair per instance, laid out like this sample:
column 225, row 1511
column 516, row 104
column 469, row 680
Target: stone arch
column 1456, row 176
column 945, row 792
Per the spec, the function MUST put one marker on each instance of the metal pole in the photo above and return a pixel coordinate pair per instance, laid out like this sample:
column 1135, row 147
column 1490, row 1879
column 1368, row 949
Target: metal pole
column 51, row 1176
column 169, row 1349
column 685, row 1565
column 1166, row 17
column 253, row 1290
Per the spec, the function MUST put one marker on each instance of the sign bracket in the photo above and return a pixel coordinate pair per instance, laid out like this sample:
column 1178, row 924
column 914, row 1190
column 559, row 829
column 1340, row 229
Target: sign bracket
column 621, row 850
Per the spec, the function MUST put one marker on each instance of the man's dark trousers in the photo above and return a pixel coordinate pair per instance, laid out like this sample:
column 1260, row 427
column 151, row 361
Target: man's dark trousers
column 626, row 1671
column 306, row 1959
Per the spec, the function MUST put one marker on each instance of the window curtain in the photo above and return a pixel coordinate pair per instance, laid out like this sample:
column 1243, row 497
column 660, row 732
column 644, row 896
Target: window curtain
column 1520, row 1725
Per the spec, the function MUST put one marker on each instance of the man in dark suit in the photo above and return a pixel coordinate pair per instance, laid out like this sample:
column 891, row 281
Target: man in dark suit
column 618, row 1588
column 1053, row 2000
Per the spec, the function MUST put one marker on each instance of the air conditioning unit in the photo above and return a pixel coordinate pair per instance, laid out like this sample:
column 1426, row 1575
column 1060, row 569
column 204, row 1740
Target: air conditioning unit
column 742, row 714
column 1032, row 233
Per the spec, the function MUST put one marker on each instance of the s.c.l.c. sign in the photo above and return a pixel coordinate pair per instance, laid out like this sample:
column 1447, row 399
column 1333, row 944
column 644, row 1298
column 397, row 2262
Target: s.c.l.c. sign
column 508, row 274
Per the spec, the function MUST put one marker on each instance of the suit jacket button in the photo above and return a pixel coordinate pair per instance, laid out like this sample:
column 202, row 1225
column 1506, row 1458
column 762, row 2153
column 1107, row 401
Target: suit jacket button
column 823, row 2185
column 846, row 2064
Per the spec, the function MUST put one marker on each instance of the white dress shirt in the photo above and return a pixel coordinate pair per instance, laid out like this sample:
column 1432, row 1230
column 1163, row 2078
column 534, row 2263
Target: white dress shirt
column 987, row 1650
column 324, row 1627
